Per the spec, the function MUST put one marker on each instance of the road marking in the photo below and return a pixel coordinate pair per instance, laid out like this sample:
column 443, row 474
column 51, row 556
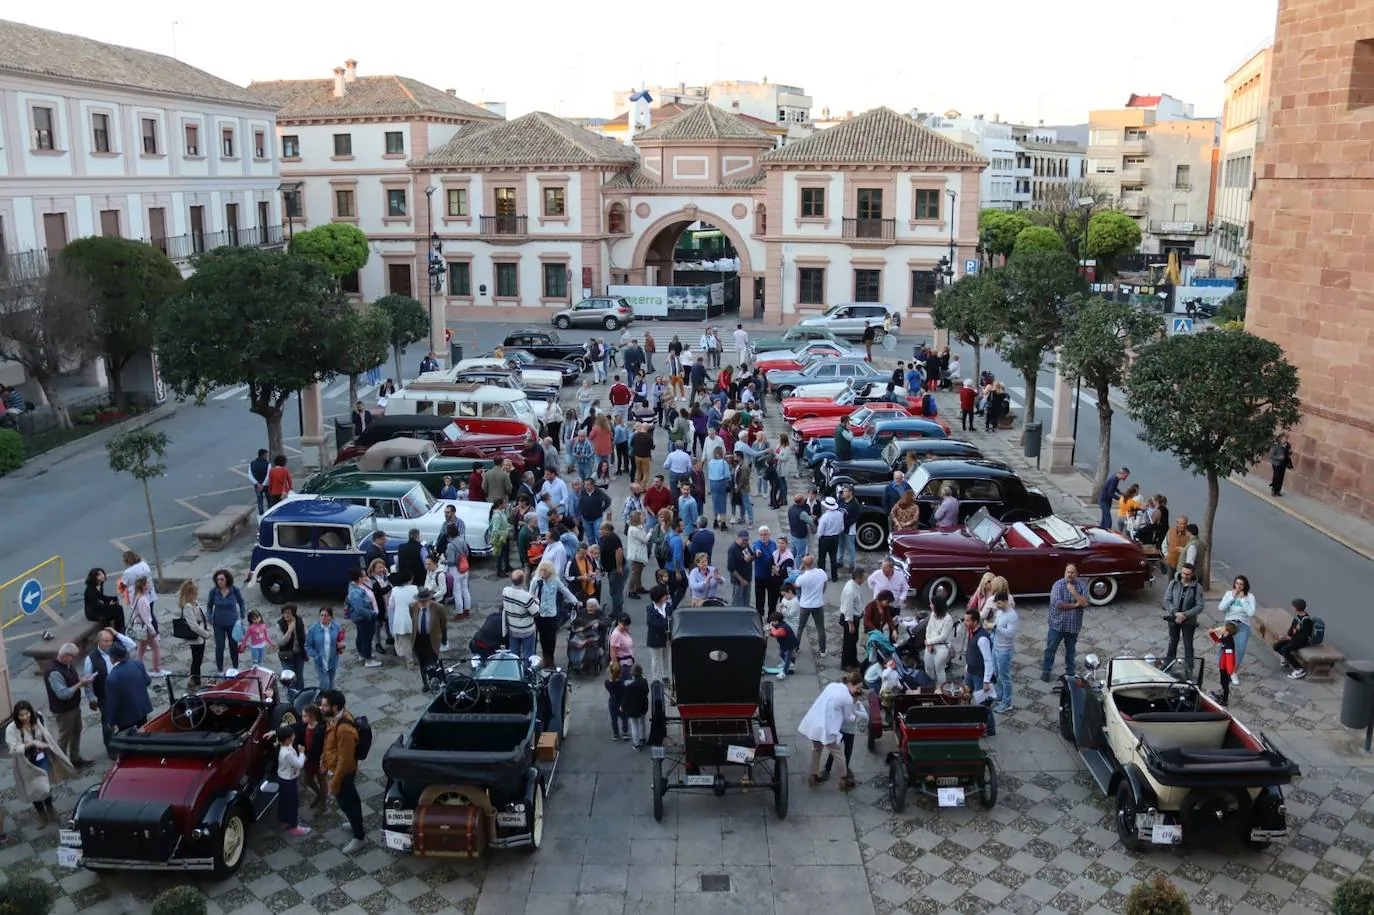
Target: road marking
column 337, row 391
column 1085, row 397
column 193, row 509
column 232, row 392
column 161, row 530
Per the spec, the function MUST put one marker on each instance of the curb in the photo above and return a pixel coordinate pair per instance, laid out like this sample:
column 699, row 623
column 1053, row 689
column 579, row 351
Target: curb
column 44, row 462
column 1259, row 492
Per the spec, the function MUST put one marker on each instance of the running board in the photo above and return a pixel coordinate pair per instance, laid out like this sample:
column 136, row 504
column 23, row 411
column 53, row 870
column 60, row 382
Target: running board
column 1100, row 767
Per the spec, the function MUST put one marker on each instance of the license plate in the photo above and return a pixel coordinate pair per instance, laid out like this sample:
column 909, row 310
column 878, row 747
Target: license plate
column 699, row 781
column 1166, row 835
column 508, row 820
column 739, row 754
column 400, row 817
column 68, row 857
column 69, row 837
column 947, row 780
column 397, row 841
column 950, row 797
column 1144, row 821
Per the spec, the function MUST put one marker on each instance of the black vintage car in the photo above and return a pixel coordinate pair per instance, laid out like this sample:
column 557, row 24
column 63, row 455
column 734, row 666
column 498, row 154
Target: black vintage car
column 830, row 474
column 545, row 344
column 977, row 483
column 525, row 361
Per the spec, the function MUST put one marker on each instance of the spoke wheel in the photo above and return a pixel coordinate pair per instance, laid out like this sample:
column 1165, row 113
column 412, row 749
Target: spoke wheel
column 537, row 819
column 660, row 789
column 1125, row 818
column 780, row 788
column 896, row 789
column 987, row 785
column 233, row 834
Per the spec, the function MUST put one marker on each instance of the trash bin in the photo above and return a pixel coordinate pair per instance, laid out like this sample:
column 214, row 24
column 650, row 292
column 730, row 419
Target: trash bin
column 1357, row 702
column 343, row 434
column 455, row 353
column 1033, row 431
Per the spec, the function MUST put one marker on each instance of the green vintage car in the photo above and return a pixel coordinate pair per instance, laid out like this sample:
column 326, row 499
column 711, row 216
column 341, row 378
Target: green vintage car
column 401, row 459
column 792, row 338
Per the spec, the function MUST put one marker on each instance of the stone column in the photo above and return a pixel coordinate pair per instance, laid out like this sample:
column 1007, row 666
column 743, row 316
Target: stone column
column 314, row 441
column 1061, row 425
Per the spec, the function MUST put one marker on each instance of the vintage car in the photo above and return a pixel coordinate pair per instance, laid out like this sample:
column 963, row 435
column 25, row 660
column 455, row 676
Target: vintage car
column 311, row 545
column 401, row 459
column 801, row 353
column 842, row 398
column 545, row 344
column 905, row 456
column 184, row 789
column 400, row 506
column 803, row 430
column 454, row 437
column 784, row 376
column 1176, row 762
column 472, row 773
column 1029, row 554
column 791, row 338
column 876, row 437
column 498, row 371
column 568, row 371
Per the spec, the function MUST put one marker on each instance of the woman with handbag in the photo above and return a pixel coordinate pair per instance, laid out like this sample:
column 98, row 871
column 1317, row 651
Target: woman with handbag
column 38, row 761
column 224, row 605
column 291, row 645
column 192, row 627
column 143, row 625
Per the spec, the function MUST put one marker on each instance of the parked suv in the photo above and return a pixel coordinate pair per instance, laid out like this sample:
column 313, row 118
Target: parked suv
column 610, row 312
column 849, row 319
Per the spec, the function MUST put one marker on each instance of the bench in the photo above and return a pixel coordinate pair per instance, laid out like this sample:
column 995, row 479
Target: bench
column 217, row 532
column 1319, row 660
column 78, row 630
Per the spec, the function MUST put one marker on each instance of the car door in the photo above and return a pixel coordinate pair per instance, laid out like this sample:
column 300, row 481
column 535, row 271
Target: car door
column 928, row 498
column 333, row 558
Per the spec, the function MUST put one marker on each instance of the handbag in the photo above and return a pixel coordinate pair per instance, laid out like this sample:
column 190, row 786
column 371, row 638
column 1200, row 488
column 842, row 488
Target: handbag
column 137, row 630
column 182, row 629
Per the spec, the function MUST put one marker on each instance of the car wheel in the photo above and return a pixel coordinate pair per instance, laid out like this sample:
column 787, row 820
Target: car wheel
column 536, row 819
column 561, row 322
column 610, row 324
column 766, row 715
column 943, row 583
column 283, row 713
column 896, row 789
column 660, row 789
column 276, row 585
column 780, row 788
column 1125, row 818
column 987, row 785
column 1066, row 716
column 870, row 535
column 785, row 391
column 1102, row 591
column 233, row 838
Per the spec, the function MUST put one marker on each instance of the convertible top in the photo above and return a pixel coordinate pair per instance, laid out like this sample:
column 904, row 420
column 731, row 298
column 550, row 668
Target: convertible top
column 717, row 654
column 716, row 622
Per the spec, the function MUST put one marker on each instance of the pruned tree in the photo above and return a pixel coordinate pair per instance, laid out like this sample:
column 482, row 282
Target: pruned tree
column 1059, row 209
column 131, row 281
column 140, row 453
column 969, row 311
column 1111, row 233
column 338, row 247
column 256, row 317
column 409, row 322
column 1099, row 336
column 1232, row 308
column 1215, row 401
column 1037, row 285
column 1000, row 228
column 1036, row 238
column 361, row 341
column 47, row 325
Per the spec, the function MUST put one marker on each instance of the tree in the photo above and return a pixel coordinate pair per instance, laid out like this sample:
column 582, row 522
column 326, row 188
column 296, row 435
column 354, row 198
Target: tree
column 140, row 454
column 1215, row 401
column 968, row 310
column 1111, row 233
column 360, row 343
column 131, row 281
column 1099, row 335
column 409, row 322
column 1232, row 307
column 1036, row 238
column 47, row 326
column 1000, row 228
column 256, row 317
column 338, row 247
column 1036, row 285
column 1059, row 209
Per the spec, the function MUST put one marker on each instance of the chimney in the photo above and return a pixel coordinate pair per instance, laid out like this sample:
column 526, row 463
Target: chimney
column 453, row 92
column 350, row 70
column 339, row 89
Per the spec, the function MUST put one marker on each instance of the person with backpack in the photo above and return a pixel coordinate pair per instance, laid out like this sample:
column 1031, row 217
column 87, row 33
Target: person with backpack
column 347, row 740
column 1301, row 633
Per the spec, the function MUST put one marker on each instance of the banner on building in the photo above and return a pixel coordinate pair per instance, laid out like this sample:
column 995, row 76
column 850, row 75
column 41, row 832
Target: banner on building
column 674, row 303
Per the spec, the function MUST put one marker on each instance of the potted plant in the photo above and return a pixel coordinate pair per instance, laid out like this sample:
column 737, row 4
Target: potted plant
column 26, row 896
column 180, row 900
column 1355, row 896
column 1157, row 896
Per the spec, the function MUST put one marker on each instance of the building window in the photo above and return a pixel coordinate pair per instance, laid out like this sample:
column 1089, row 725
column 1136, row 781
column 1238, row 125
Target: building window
column 812, row 283
column 395, row 143
column 615, row 219
column 927, row 203
column 150, row 136
column 226, row 142
column 100, row 132
column 343, row 145
column 459, row 278
column 351, row 283
column 457, row 201
column 760, row 219
column 259, row 144
column 291, row 147
column 813, row 202
column 868, row 285
column 1183, row 177
column 555, row 202
column 44, row 137
column 294, row 207
column 869, row 204
column 508, row 281
column 923, row 286
column 555, row 281
column 1360, row 93
column 345, row 206
column 395, row 203
column 109, row 222
column 192, row 140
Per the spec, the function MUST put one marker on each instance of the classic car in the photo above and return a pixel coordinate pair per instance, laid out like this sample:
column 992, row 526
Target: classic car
column 875, row 438
column 850, row 319
column 568, row 370
column 784, row 378
column 1176, row 762
column 399, row 506
column 464, row 402
column 905, row 456
column 311, row 545
column 978, row 484
column 800, row 358
column 545, row 344
column 454, row 437
column 609, row 311
column 792, row 337
column 404, row 459
column 530, row 377
column 804, row 430
column 1029, row 554
column 846, row 397
column 867, row 388
column 184, row 788
column 473, row 772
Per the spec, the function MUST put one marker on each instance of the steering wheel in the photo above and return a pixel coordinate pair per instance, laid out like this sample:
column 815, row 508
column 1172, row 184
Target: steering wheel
column 1178, row 697
column 189, row 713
column 460, row 692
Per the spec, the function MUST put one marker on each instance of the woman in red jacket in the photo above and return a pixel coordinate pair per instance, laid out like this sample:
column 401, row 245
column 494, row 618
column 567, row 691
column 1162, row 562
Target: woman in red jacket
column 279, row 482
column 967, row 399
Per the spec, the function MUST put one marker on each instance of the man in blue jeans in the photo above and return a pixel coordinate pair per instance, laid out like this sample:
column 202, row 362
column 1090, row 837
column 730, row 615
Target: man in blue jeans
column 1067, row 600
column 1109, row 494
column 341, row 761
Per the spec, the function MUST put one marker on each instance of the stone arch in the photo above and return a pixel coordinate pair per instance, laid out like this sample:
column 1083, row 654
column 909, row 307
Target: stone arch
column 650, row 237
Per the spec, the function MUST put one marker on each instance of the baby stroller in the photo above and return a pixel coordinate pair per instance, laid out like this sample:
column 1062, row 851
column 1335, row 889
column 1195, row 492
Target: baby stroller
column 587, row 644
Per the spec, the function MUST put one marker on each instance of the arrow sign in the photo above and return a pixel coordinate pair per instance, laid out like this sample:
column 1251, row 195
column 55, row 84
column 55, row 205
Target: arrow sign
column 1183, row 325
column 30, row 596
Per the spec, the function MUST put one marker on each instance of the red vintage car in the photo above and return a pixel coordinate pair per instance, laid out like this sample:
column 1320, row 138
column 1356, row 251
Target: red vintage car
column 454, row 437
column 1031, row 555
column 822, row 426
column 845, row 402
column 185, row 788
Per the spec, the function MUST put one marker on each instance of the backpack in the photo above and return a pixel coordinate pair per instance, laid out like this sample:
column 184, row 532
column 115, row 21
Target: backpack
column 662, row 554
column 364, row 729
column 1318, row 631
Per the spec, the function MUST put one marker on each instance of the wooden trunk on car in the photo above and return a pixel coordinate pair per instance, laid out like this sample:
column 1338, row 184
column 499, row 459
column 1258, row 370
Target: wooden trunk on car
column 546, row 750
column 450, row 831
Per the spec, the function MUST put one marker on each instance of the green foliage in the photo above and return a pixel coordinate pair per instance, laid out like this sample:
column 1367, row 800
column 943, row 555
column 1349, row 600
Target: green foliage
column 1037, row 284
column 361, row 340
column 1111, row 233
column 1232, row 307
column 1157, row 896
column 139, row 453
column 11, row 450
column 1097, row 335
column 1036, row 238
column 409, row 319
column 1000, row 228
column 968, row 309
column 336, row 246
column 27, row 895
column 1355, row 896
column 180, row 900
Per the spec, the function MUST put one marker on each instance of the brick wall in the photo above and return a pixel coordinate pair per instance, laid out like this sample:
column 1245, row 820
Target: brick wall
column 1312, row 253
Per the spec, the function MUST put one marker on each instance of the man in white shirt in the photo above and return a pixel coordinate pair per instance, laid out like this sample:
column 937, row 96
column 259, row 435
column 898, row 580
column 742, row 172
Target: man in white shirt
column 741, row 338
column 678, row 463
column 851, row 618
column 556, row 488
column 98, row 666
column 713, row 441
column 887, row 578
column 811, row 596
column 829, row 530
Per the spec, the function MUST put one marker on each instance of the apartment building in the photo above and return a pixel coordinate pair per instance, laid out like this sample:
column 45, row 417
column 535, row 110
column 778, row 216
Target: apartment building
column 1054, row 166
column 622, row 126
column 1157, row 160
column 1242, row 131
column 787, row 107
column 1005, row 184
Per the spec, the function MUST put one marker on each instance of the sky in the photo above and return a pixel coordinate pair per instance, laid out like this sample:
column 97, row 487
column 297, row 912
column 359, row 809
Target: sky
column 1027, row 60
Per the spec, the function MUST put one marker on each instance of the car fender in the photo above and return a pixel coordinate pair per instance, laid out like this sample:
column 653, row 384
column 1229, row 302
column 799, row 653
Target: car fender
column 1141, row 790
column 217, row 809
column 91, row 792
column 531, row 786
column 557, row 686
column 274, row 563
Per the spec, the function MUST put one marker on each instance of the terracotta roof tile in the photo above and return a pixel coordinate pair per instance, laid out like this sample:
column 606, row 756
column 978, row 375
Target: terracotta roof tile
column 397, row 96
column 45, row 53
column 537, row 138
column 672, row 110
column 879, row 136
column 704, row 122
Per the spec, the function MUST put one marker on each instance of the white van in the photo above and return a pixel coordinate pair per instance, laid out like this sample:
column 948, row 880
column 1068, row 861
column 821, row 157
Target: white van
column 467, row 401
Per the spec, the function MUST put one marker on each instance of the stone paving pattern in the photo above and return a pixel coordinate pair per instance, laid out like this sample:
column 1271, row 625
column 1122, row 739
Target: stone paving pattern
column 1047, row 847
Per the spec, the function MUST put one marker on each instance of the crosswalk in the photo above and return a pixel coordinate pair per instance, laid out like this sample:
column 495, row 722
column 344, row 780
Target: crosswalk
column 336, row 390
column 1044, row 398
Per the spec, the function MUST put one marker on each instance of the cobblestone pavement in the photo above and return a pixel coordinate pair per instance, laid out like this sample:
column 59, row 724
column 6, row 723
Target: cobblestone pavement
column 1047, row 847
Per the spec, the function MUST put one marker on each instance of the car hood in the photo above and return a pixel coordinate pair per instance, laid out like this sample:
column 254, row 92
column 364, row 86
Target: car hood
column 168, row 779
column 915, row 544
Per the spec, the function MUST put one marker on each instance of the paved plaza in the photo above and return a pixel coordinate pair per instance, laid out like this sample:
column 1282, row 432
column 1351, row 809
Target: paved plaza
column 1047, row 847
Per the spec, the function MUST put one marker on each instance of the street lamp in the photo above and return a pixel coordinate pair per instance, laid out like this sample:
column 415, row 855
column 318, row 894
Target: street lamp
column 287, row 188
column 953, row 196
column 432, row 257
column 1087, row 204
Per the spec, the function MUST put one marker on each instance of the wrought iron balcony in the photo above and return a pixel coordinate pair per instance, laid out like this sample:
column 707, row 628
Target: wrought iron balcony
column 18, row 266
column 503, row 226
column 870, row 230
column 185, row 247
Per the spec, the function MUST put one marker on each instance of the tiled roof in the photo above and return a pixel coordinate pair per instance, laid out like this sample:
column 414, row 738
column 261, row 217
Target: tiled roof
column 45, row 53
column 671, row 110
column 396, row 96
column 537, row 138
column 879, row 136
column 704, row 122
column 638, row 177
column 1143, row 101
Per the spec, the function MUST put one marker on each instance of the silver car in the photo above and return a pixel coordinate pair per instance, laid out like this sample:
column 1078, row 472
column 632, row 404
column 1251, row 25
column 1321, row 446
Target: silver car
column 609, row 311
column 850, row 319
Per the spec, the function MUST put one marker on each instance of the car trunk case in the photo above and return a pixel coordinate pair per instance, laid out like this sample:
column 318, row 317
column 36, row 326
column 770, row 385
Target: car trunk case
column 449, row 831
column 128, row 830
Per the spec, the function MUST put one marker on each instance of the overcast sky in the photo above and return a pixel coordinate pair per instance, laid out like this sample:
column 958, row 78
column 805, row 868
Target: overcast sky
column 1050, row 60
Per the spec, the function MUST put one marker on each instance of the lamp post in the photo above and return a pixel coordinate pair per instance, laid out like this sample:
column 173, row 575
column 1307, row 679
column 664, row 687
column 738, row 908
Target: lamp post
column 287, row 188
column 953, row 197
column 431, row 257
column 1087, row 204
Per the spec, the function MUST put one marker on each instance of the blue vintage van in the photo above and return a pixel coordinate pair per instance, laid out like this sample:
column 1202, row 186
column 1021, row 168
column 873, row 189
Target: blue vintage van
column 311, row 545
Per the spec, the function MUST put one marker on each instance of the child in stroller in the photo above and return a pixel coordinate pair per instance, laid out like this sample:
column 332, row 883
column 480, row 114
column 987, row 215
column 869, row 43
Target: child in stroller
column 587, row 639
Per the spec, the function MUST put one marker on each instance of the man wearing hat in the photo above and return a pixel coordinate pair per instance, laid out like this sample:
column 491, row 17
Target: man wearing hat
column 829, row 530
column 426, row 619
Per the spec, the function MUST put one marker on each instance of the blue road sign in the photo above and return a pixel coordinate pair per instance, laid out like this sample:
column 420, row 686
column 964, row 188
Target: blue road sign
column 30, row 596
column 1183, row 325
column 971, row 267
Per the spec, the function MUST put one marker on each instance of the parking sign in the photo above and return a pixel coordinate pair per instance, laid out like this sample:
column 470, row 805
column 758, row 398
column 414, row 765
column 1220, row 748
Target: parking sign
column 971, row 267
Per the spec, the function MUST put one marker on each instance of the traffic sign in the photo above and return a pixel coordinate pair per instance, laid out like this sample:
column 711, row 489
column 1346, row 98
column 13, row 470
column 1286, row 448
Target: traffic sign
column 30, row 596
column 1183, row 326
column 971, row 267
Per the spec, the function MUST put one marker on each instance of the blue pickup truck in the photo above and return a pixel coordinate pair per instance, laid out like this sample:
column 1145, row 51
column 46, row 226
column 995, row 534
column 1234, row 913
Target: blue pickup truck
column 872, row 445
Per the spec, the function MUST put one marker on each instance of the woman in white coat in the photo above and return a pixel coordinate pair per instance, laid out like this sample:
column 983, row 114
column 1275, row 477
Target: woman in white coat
column 38, row 762
column 823, row 725
column 398, row 615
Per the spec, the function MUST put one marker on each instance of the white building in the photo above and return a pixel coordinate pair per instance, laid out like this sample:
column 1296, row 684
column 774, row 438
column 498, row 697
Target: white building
column 1242, row 132
column 1002, row 186
column 1054, row 166
column 785, row 106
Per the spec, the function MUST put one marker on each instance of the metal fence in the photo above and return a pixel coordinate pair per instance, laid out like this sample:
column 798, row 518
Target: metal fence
column 21, row 265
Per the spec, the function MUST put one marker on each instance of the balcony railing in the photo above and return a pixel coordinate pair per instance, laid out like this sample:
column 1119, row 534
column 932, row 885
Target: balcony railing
column 1133, row 206
column 504, row 226
column 1136, row 146
column 18, row 266
column 185, row 247
column 870, row 229
column 1135, row 174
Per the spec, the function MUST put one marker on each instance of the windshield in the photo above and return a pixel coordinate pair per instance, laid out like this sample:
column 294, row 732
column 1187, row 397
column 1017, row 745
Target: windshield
column 1122, row 671
column 416, row 502
column 860, row 417
column 891, row 453
column 453, row 432
column 363, row 530
column 918, row 480
column 1061, row 532
column 525, row 412
column 553, row 337
column 986, row 528
column 845, row 397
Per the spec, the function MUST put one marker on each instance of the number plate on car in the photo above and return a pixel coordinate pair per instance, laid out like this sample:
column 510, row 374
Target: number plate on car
column 397, row 841
column 68, row 857
column 508, row 820
column 739, row 754
column 400, row 817
column 1166, row 835
column 69, row 837
column 1144, row 821
column 699, row 781
column 947, row 780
